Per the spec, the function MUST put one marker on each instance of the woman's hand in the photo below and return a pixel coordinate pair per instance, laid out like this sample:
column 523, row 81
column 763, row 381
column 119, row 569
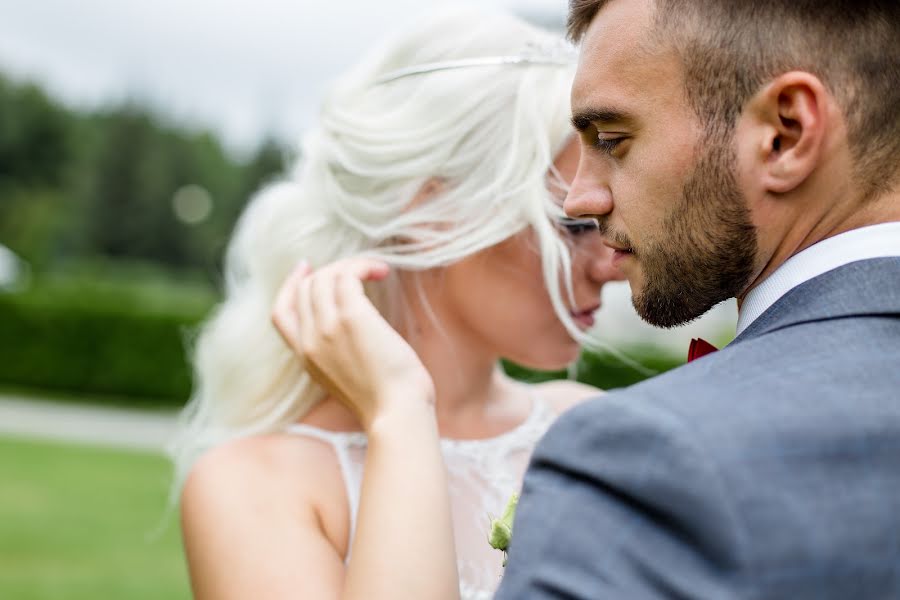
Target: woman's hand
column 345, row 343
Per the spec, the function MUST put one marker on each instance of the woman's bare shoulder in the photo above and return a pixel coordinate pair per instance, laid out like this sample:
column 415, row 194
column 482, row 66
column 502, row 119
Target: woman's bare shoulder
column 563, row 394
column 271, row 460
column 249, row 496
column 285, row 468
column 257, row 481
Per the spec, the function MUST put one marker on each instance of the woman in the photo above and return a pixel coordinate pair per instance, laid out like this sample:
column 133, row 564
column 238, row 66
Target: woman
column 433, row 158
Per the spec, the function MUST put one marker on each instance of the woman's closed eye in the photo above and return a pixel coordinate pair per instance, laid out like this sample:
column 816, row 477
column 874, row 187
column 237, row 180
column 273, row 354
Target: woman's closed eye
column 577, row 226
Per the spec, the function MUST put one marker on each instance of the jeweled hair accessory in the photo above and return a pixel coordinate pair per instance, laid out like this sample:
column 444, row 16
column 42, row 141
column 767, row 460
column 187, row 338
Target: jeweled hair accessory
column 558, row 52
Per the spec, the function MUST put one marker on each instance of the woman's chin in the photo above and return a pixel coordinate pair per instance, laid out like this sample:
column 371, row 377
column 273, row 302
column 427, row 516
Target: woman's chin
column 550, row 359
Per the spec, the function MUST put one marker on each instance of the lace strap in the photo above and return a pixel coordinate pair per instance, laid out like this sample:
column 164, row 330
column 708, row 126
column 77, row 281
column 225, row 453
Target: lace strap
column 339, row 442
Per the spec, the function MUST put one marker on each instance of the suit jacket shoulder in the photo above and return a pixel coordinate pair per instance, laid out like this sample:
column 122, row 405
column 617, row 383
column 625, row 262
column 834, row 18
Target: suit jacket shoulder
column 767, row 469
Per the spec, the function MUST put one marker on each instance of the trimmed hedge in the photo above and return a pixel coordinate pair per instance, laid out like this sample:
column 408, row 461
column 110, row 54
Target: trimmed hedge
column 102, row 338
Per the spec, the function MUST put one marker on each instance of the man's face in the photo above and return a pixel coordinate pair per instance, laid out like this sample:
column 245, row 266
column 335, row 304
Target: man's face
column 663, row 190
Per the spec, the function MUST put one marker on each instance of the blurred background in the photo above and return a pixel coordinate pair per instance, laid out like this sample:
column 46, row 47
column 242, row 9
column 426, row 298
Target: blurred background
column 131, row 135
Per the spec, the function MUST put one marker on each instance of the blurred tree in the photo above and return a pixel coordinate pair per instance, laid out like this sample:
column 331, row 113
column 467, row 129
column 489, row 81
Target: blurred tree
column 120, row 204
column 34, row 136
column 268, row 161
column 78, row 184
column 35, row 147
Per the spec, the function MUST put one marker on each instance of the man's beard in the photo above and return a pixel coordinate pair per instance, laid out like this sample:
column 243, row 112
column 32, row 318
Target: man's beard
column 707, row 249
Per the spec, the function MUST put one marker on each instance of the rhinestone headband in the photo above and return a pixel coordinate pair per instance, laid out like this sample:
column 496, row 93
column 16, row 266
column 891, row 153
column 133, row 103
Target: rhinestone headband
column 555, row 53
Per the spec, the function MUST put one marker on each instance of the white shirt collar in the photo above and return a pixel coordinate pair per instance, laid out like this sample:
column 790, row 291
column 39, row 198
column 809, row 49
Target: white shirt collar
column 873, row 241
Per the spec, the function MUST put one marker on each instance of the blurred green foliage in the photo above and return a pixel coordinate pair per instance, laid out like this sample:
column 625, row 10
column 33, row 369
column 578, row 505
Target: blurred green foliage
column 103, row 331
column 605, row 370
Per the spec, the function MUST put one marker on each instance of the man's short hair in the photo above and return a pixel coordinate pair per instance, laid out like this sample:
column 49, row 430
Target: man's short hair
column 731, row 48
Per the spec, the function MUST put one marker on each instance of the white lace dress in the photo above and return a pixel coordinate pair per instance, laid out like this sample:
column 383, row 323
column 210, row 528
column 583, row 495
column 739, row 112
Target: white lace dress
column 482, row 475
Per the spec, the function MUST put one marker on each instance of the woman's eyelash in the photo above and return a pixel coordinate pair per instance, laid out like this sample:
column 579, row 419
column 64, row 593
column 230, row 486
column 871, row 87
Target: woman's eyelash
column 607, row 145
column 578, row 226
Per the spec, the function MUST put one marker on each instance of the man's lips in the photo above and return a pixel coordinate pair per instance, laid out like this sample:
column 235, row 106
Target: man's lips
column 617, row 247
column 620, row 253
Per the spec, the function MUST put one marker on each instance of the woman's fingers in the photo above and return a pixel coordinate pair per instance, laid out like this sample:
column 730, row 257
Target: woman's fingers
column 306, row 315
column 351, row 299
column 328, row 312
column 323, row 303
column 364, row 268
column 313, row 310
column 284, row 311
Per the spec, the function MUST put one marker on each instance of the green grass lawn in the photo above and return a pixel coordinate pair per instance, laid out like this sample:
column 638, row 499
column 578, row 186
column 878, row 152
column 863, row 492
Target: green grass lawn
column 86, row 523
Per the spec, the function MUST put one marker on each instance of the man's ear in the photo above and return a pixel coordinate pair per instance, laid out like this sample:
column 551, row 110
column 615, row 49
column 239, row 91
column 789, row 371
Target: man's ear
column 789, row 120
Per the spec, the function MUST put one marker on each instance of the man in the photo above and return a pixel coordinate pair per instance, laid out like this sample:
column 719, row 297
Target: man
column 749, row 149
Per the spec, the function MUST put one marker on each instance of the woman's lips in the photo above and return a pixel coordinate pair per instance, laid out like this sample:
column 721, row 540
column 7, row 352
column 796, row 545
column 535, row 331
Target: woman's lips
column 585, row 321
column 585, row 318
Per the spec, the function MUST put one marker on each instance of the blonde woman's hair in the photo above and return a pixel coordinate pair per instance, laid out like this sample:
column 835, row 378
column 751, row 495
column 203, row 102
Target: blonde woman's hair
column 488, row 134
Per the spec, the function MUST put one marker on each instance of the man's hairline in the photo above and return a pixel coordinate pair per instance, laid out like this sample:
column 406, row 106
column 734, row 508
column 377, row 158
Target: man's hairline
column 577, row 36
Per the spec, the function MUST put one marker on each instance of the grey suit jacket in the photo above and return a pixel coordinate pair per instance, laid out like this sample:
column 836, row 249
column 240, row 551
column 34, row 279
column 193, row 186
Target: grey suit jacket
column 770, row 469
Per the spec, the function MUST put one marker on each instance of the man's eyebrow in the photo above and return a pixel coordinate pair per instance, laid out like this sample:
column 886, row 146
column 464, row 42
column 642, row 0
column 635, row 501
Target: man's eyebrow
column 581, row 120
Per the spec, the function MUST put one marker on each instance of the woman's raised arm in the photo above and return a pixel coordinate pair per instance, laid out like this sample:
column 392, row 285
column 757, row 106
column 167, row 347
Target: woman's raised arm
column 403, row 547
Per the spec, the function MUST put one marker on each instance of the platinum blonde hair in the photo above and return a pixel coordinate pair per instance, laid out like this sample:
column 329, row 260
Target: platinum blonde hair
column 487, row 133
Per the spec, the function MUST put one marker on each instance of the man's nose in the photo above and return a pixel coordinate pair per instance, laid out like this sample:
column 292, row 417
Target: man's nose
column 589, row 195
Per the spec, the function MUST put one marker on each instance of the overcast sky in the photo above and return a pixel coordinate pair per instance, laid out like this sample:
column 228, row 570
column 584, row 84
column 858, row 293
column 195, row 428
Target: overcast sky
column 244, row 68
